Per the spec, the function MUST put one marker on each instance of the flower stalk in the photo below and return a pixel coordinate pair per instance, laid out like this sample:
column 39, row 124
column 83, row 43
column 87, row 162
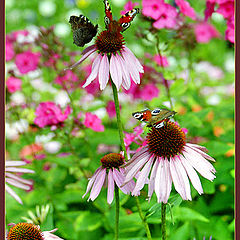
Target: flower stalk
column 116, row 190
column 163, row 226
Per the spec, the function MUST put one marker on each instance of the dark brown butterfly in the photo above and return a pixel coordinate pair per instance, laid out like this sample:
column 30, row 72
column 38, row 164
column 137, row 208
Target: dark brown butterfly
column 83, row 30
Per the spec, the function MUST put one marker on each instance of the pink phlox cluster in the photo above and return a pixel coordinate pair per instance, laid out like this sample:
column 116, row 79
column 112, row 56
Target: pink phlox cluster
column 161, row 60
column 51, row 62
column 9, row 51
column 13, row 84
column 94, row 122
column 149, row 92
column 67, row 80
column 27, row 61
column 186, row 9
column 110, row 108
column 128, row 7
column 48, row 113
column 230, row 32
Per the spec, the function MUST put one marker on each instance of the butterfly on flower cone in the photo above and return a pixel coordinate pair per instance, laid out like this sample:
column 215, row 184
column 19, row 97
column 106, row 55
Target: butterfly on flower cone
column 155, row 118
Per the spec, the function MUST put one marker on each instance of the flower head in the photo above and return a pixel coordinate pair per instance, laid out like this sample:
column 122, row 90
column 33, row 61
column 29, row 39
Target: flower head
column 48, row 113
column 112, row 58
column 109, row 174
column 29, row 231
column 186, row 9
column 11, row 171
column 13, row 84
column 168, row 158
column 94, row 122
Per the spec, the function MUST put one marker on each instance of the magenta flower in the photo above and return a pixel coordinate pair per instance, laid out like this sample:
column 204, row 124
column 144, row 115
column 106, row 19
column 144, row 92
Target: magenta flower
column 167, row 18
column 112, row 58
column 111, row 109
column 161, row 61
column 204, row 32
column 209, row 9
column 230, row 32
column 186, row 9
column 9, row 51
column 11, row 171
column 128, row 6
column 27, row 61
column 226, row 8
column 152, row 8
column 13, row 84
column 109, row 174
column 168, row 158
column 149, row 92
column 48, row 113
column 94, row 122
column 67, row 80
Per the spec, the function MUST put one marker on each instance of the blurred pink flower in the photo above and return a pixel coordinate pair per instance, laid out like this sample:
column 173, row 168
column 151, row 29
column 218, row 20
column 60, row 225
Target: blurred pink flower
column 167, row 17
column 46, row 166
column 9, row 51
column 13, row 84
column 149, row 92
column 111, row 109
column 161, row 60
column 19, row 32
column 27, row 61
column 51, row 62
column 204, row 32
column 209, row 9
column 92, row 121
column 226, row 8
column 128, row 7
column 186, row 9
column 152, row 8
column 230, row 32
column 48, row 113
column 67, row 80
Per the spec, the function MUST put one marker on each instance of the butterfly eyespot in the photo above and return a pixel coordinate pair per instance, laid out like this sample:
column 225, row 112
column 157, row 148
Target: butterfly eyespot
column 106, row 20
column 125, row 26
column 156, row 111
column 138, row 116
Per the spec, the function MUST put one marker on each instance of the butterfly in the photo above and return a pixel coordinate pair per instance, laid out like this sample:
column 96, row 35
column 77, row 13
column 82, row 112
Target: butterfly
column 124, row 21
column 83, row 30
column 155, row 118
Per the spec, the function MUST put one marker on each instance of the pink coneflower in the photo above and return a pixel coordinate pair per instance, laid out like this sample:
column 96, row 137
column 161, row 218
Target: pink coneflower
column 30, row 231
column 109, row 174
column 12, row 167
column 112, row 58
column 168, row 158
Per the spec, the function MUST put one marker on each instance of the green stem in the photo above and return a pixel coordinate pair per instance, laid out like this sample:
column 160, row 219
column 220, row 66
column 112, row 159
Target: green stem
column 116, row 190
column 143, row 219
column 119, row 123
column 163, row 213
column 120, row 129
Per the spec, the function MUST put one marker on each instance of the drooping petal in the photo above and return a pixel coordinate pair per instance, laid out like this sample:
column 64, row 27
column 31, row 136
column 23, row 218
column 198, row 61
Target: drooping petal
column 13, row 194
column 110, row 192
column 136, row 155
column 19, row 179
column 19, row 170
column 143, row 176
column 152, row 178
column 103, row 75
column 86, row 52
column 115, row 71
column 192, row 175
column 180, row 179
column 17, row 184
column 14, row 163
column 95, row 70
column 98, row 183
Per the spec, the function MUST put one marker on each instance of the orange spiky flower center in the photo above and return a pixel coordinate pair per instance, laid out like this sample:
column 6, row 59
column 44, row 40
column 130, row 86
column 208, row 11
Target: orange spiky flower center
column 112, row 160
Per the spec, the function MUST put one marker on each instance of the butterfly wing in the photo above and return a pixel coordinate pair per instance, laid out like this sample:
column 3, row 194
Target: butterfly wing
column 108, row 13
column 126, row 19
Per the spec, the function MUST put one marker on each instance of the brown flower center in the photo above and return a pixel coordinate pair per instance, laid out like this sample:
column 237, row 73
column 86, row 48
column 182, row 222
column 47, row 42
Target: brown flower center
column 112, row 160
column 25, row 231
column 109, row 42
column 166, row 141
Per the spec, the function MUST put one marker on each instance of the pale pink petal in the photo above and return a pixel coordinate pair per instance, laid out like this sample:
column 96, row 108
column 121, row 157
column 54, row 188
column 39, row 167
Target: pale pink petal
column 13, row 194
column 86, row 52
column 91, row 181
column 204, row 167
column 14, row 163
column 94, row 72
column 130, row 185
column 180, row 179
column 98, row 183
column 25, row 181
column 49, row 236
column 110, row 192
column 152, row 178
column 143, row 176
column 192, row 175
column 116, row 73
column 19, row 170
column 163, row 181
column 136, row 155
column 119, row 179
column 103, row 75
column 17, row 184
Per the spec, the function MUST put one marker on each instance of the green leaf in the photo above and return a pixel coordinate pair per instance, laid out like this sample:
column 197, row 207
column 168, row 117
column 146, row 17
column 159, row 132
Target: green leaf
column 178, row 88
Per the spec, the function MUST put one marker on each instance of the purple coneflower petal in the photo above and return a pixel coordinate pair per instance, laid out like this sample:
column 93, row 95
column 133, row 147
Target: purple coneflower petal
column 192, row 175
column 143, row 176
column 180, row 179
column 25, row 181
column 119, row 179
column 86, row 52
column 115, row 71
column 91, row 181
column 130, row 185
column 103, row 75
column 13, row 194
column 14, row 163
column 136, row 155
column 17, row 184
column 163, row 181
column 152, row 178
column 110, row 192
column 94, row 72
column 19, row 170
column 98, row 183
